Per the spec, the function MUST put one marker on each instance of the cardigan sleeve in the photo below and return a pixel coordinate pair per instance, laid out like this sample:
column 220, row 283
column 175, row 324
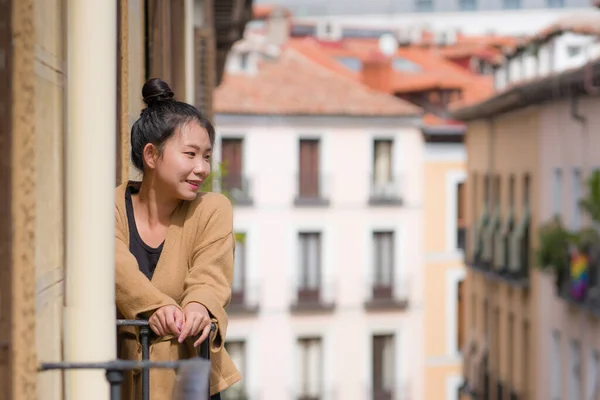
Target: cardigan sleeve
column 136, row 296
column 211, row 272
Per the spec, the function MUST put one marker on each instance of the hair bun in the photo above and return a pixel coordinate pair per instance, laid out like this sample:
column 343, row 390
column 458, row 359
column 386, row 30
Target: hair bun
column 156, row 90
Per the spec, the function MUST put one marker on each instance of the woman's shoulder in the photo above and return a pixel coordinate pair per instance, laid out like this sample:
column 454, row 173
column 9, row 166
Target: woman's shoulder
column 209, row 203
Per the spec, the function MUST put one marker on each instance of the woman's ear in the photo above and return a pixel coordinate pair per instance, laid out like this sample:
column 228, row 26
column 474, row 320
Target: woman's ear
column 150, row 155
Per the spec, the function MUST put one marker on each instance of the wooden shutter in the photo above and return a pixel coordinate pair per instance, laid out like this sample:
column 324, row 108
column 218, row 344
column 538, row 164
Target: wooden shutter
column 231, row 156
column 205, row 62
column 6, row 225
column 158, row 24
column 383, row 360
column 309, row 168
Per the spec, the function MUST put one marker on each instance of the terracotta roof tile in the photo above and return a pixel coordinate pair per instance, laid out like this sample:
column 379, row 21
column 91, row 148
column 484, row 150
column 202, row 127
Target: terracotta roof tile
column 295, row 85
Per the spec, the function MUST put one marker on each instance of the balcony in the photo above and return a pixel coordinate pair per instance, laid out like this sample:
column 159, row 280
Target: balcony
column 502, row 252
column 582, row 291
column 387, row 296
column 499, row 390
column 313, row 298
column 244, row 300
column 310, row 191
column 385, row 193
column 238, row 188
column 400, row 392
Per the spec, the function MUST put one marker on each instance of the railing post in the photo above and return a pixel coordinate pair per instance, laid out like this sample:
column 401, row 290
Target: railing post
column 145, row 339
column 115, row 379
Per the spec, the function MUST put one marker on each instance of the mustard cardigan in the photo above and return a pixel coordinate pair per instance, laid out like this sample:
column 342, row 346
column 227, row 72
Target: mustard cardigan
column 196, row 265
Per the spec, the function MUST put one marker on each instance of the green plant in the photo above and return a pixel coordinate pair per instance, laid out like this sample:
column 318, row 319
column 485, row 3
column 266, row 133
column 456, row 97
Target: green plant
column 591, row 202
column 218, row 174
column 586, row 238
column 554, row 240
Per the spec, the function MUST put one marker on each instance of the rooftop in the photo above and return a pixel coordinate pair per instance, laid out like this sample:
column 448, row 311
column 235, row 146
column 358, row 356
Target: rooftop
column 293, row 84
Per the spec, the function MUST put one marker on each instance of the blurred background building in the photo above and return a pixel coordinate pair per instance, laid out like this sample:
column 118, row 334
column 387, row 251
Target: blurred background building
column 397, row 174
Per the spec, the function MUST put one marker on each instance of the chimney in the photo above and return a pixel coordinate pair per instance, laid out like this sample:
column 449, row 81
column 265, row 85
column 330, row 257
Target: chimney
column 278, row 26
column 377, row 72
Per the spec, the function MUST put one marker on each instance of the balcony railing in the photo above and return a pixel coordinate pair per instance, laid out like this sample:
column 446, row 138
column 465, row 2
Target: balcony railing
column 388, row 192
column 396, row 392
column 319, row 297
column 504, row 251
column 239, row 187
column 244, row 299
column 193, row 382
column 387, row 296
column 311, row 190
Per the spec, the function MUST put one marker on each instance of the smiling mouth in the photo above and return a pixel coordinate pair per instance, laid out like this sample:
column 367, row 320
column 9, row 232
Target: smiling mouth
column 195, row 183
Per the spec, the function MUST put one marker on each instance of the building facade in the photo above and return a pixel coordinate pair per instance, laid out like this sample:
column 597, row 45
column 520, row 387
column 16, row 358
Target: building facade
column 444, row 272
column 38, row 116
column 529, row 151
column 327, row 175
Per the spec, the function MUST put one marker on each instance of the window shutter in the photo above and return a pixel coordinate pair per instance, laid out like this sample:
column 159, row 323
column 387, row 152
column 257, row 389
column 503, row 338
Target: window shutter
column 204, row 61
column 159, row 40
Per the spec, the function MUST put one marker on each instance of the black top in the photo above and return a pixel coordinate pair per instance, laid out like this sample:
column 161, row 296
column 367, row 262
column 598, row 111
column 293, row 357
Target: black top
column 146, row 256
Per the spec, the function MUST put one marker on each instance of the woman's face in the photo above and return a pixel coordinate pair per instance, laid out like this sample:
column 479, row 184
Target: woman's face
column 185, row 162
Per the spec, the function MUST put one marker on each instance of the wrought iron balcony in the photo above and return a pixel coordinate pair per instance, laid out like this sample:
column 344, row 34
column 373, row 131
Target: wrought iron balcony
column 244, row 299
column 318, row 297
column 193, row 381
column 311, row 190
column 393, row 295
column 386, row 192
column 396, row 392
column 503, row 252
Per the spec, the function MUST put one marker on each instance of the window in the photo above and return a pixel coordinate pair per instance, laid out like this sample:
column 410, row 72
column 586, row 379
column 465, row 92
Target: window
column 575, row 371
column 467, row 5
column 237, row 352
column 309, row 169
column 231, row 157
column 461, row 223
column 383, row 252
column 557, row 191
column 486, row 190
column 527, row 190
column 404, row 65
column 352, row 63
column 459, row 314
column 555, row 3
column 424, row 5
column 383, row 367
column 310, row 266
column 575, row 196
column 382, row 162
column 511, row 4
column 239, row 270
column 244, row 61
column 574, row 51
column 497, row 192
column 511, row 191
column 556, row 365
column 510, row 347
column 593, row 375
column 310, row 368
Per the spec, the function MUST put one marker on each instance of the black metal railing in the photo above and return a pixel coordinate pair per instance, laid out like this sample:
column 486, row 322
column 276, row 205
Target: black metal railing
column 115, row 369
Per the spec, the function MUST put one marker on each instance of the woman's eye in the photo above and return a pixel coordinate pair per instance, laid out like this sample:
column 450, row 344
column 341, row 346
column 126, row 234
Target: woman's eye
column 191, row 154
column 207, row 158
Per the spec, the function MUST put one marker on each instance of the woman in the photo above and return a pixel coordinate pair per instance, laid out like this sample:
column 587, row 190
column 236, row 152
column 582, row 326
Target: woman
column 174, row 245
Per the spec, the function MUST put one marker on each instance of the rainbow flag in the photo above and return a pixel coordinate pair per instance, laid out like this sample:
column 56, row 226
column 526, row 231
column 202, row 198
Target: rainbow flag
column 579, row 276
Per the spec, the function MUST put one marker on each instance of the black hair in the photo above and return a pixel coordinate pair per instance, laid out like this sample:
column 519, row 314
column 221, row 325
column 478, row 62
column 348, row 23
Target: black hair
column 159, row 120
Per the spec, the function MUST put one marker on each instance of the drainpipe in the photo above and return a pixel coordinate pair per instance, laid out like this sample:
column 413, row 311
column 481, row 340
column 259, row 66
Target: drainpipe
column 90, row 331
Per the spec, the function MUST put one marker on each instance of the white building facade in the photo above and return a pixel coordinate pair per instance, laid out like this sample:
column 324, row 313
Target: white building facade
column 330, row 273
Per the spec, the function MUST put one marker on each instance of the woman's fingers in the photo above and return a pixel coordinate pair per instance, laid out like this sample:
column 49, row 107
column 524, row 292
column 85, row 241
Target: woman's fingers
column 187, row 328
column 171, row 325
column 204, row 335
column 154, row 327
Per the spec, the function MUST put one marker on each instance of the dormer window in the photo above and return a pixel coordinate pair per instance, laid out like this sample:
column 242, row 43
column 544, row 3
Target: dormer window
column 244, row 61
column 574, row 50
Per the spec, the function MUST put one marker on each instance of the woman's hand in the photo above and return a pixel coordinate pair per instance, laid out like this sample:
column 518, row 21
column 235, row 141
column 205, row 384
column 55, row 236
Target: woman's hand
column 167, row 320
column 197, row 320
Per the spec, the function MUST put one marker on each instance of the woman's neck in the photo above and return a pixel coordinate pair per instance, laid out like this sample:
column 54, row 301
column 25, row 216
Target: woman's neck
column 157, row 207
